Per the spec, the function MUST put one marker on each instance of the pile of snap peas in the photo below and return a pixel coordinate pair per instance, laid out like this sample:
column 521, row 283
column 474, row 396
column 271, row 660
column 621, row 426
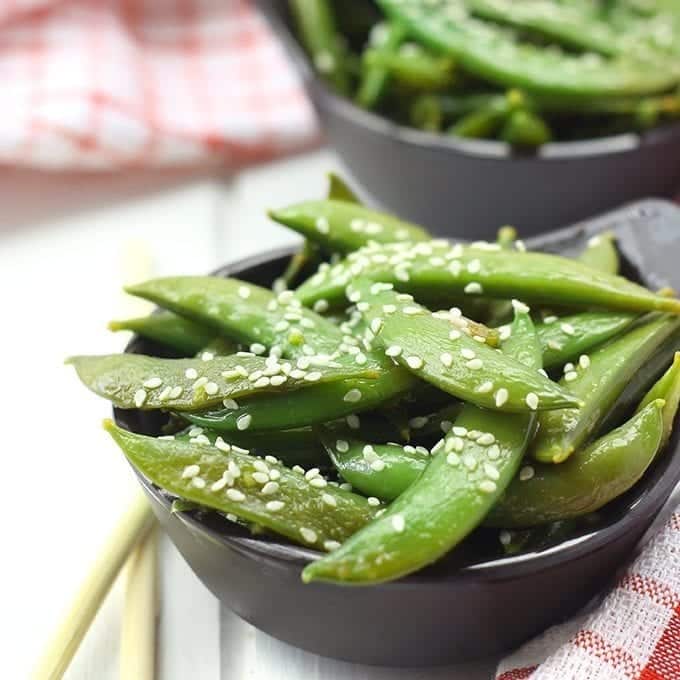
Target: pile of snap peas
column 393, row 392
column 522, row 71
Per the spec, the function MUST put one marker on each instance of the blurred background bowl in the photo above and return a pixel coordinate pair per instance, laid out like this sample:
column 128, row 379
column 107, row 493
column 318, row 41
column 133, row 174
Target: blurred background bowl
column 468, row 188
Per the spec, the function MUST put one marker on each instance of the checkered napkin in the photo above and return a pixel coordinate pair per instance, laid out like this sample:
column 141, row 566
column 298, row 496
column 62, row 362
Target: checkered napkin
column 115, row 83
column 633, row 635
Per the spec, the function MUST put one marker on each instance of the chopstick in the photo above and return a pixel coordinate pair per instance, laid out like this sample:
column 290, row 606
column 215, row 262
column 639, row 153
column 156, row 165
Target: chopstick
column 133, row 526
column 138, row 635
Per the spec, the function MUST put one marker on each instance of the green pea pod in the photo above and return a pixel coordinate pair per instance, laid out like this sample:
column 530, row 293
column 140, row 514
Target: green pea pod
column 244, row 312
column 339, row 190
column 302, row 264
column 449, row 499
column 566, row 338
column 383, row 471
column 430, row 111
column 181, row 335
column 601, row 254
column 317, row 28
column 500, row 311
column 415, row 69
column 590, row 479
column 138, row 381
column 424, row 344
column 482, row 124
column 374, row 78
column 598, row 381
column 227, row 480
column 494, row 54
column 483, row 269
column 526, row 129
column 315, row 404
column 292, row 447
column 668, row 389
column 341, row 227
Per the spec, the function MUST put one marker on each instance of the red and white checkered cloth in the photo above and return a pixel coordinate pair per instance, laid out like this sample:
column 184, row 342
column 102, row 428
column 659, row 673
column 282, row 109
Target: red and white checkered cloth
column 633, row 635
column 116, row 83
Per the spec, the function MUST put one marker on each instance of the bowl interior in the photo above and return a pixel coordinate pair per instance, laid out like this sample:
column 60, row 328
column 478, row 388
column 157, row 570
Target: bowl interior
column 648, row 237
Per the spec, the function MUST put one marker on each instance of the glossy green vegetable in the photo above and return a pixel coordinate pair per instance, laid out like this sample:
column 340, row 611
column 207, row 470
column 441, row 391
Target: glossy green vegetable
column 668, row 389
column 565, row 338
column 255, row 490
column 138, row 381
column 413, row 67
column 601, row 254
column 496, row 55
column 598, row 380
column 525, row 128
column 590, row 479
column 341, row 227
column 423, row 343
column 339, row 190
column 380, row 470
column 317, row 26
column 464, row 479
column 182, row 335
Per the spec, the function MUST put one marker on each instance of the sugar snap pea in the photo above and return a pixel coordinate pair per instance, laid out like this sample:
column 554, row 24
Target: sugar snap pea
column 138, row 381
column 590, row 479
column 525, row 128
column 496, row 55
column 255, row 490
column 424, row 344
column 598, row 379
column 565, row 338
column 601, row 254
column 463, row 480
column 341, row 227
column 182, row 335
column 317, row 26
column 339, row 190
column 385, row 36
column 482, row 269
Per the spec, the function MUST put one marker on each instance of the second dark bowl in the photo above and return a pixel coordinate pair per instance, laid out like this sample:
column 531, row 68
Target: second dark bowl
column 468, row 188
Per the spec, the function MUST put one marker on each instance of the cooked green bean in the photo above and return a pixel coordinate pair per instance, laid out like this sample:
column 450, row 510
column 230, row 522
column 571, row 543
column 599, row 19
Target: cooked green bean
column 601, row 254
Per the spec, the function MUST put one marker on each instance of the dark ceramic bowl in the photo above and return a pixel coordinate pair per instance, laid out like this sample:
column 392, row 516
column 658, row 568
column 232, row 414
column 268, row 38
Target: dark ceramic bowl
column 469, row 604
column 468, row 188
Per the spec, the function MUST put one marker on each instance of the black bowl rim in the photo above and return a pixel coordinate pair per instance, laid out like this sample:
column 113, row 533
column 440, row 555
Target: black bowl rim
column 660, row 482
column 478, row 148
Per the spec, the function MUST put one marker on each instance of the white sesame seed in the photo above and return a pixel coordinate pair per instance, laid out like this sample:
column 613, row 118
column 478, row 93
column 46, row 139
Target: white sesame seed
column 569, row 376
column 393, row 351
column 486, row 439
column 455, row 268
column 140, row 398
column 353, row 421
column 198, row 482
column 467, row 353
column 200, row 439
column 190, row 471
column 553, row 344
column 153, row 383
column 376, row 325
column 342, row 445
column 453, row 458
column 352, row 396
column 398, row 523
column 487, row 486
column 446, row 359
column 274, row 475
column 165, row 394
column 297, row 468
column 346, row 486
column 191, row 374
column 318, row 482
column 411, row 311
column 584, row 361
column 207, row 356
column 320, row 306
column 485, row 387
column 235, row 495
column 261, row 466
column 568, row 328
column 520, row 307
column 222, row 445
column 243, row 421
column 454, row 334
column 270, row 488
column 473, row 288
column 274, row 506
column 501, row 397
column 475, row 364
column 469, row 461
column 230, row 404
column 322, row 225
column 494, row 452
column 550, row 319
column 244, row 292
column 414, row 362
column 195, row 431
column 330, row 545
column 373, row 501
column 211, row 388
column 504, row 332
column 258, row 348
column 491, row 471
column 418, row 422
column 219, row 484
column 313, row 376
column 389, row 309
column 378, row 465
column 526, row 473
column 175, row 392
column 309, row 535
column 199, row 383
column 261, row 477
column 505, row 537
column 532, row 401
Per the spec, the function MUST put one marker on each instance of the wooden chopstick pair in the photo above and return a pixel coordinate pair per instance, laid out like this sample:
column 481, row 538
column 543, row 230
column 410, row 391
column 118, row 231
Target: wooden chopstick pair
column 133, row 541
